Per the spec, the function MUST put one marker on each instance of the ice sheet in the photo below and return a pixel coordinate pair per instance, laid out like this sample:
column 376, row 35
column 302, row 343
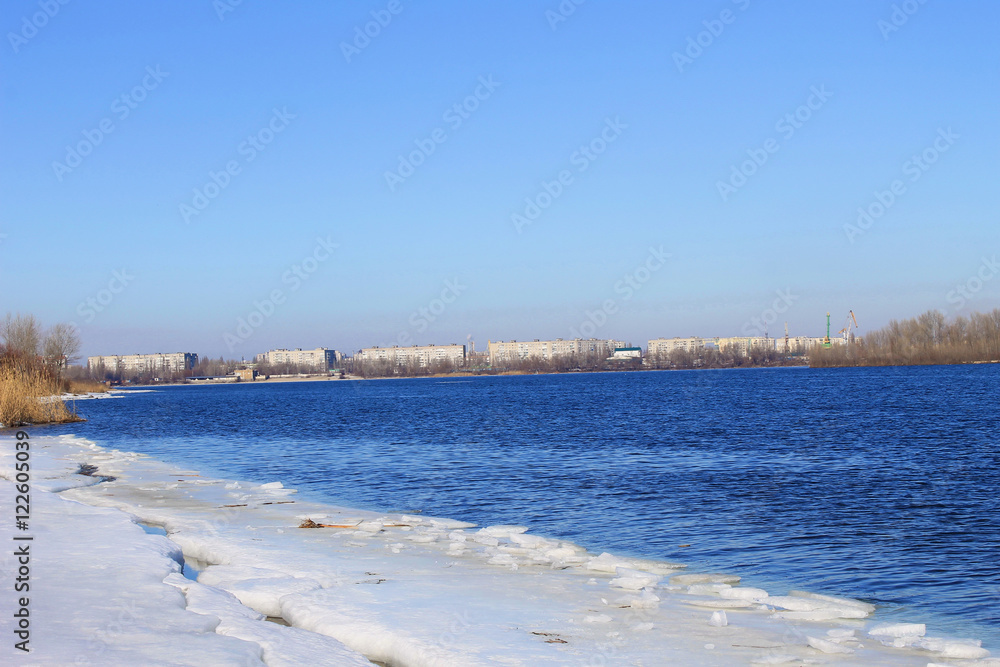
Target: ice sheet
column 281, row 645
column 97, row 594
column 406, row 590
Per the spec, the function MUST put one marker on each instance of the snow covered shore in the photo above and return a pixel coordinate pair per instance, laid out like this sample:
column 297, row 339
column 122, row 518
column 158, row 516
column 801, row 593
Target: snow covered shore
column 92, row 395
column 358, row 586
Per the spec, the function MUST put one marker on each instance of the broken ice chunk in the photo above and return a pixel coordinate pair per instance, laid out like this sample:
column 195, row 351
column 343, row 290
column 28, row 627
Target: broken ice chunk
column 689, row 579
column 834, row 600
column 743, row 593
column 827, row 646
column 889, row 630
column 707, row 589
column 633, row 580
column 968, row 649
column 718, row 619
column 502, row 531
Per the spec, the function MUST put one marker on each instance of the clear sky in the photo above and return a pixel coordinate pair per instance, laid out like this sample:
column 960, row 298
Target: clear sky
column 167, row 169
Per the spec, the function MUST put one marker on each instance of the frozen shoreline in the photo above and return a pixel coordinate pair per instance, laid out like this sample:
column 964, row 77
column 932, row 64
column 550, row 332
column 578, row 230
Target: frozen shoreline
column 403, row 590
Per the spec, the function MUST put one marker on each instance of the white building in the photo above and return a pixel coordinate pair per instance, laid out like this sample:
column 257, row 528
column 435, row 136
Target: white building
column 505, row 352
column 175, row 362
column 321, row 358
column 664, row 346
column 743, row 344
column 419, row 355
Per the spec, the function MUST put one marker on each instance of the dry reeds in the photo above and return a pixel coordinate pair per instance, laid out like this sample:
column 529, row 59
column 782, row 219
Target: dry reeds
column 85, row 387
column 28, row 395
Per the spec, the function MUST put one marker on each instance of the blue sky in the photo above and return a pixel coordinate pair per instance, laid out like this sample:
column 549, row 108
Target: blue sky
column 203, row 84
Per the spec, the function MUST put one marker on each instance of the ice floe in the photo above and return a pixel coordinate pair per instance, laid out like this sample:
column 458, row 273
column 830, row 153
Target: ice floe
column 404, row 590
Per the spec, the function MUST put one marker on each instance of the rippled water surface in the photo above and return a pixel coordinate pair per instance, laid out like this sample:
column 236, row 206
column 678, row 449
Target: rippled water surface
column 880, row 484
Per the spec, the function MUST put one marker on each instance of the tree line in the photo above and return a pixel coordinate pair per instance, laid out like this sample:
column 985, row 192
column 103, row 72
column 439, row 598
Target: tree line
column 25, row 338
column 381, row 368
column 206, row 367
column 479, row 365
column 727, row 357
column 926, row 339
column 32, row 365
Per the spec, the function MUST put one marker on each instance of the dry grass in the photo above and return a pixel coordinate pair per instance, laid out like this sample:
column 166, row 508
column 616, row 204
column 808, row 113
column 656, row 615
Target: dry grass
column 85, row 387
column 25, row 393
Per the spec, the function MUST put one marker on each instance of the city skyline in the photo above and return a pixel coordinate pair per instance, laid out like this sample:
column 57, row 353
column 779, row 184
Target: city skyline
column 385, row 173
column 291, row 354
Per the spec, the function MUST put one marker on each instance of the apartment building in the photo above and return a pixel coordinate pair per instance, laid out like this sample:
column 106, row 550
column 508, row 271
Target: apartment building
column 743, row 344
column 174, row 362
column 664, row 346
column 320, row 358
column 419, row 355
column 502, row 352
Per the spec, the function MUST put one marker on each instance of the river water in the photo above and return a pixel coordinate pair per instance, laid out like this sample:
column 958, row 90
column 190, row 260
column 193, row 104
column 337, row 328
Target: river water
column 879, row 484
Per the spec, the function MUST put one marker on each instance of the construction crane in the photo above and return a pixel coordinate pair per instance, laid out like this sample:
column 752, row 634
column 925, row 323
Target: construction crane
column 851, row 322
column 826, row 341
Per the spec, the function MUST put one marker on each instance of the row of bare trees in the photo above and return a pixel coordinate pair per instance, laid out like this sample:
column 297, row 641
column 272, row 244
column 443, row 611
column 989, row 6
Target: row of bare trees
column 730, row 357
column 25, row 338
column 380, row 368
column 727, row 357
column 116, row 374
column 206, row 366
column 32, row 361
column 209, row 366
column 590, row 360
column 927, row 339
column 157, row 375
column 288, row 368
column 587, row 361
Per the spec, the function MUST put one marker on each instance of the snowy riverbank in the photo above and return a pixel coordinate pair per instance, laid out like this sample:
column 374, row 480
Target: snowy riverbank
column 401, row 590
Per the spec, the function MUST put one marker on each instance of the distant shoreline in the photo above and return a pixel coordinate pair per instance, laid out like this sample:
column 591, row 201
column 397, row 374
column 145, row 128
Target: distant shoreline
column 462, row 374
column 467, row 374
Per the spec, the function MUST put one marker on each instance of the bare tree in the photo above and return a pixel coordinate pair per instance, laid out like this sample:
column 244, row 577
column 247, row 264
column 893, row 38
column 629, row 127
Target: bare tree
column 21, row 334
column 61, row 346
column 927, row 339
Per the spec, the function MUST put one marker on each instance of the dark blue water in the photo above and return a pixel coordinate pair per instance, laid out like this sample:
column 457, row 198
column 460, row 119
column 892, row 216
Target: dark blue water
column 880, row 484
